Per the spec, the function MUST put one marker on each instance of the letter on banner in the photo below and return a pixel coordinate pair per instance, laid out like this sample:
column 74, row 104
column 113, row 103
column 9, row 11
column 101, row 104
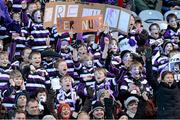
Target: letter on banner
column 72, row 10
column 59, row 12
column 111, row 17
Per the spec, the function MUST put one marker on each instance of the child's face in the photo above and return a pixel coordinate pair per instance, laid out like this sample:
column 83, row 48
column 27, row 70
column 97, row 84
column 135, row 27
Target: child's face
column 37, row 16
column 17, row 17
column 18, row 80
column 138, row 25
column 66, row 83
column 4, row 60
column 26, row 55
column 154, row 31
column 135, row 72
column 36, row 60
column 168, row 79
column 127, row 59
column 66, row 112
column 82, row 51
column 99, row 76
column 173, row 22
column 98, row 113
column 22, row 100
column 113, row 46
column 132, row 106
column 1, row 45
column 42, row 96
column 65, row 46
column 62, row 68
column 168, row 48
column 88, row 63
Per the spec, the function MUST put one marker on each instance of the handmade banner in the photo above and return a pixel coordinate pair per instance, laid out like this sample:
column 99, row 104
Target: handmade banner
column 174, row 66
column 79, row 24
column 114, row 16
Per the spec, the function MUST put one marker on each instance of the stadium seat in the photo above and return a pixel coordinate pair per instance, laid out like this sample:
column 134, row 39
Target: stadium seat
column 176, row 12
column 150, row 16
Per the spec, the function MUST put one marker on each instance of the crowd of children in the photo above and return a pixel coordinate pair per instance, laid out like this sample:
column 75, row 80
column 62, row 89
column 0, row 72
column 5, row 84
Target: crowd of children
column 46, row 75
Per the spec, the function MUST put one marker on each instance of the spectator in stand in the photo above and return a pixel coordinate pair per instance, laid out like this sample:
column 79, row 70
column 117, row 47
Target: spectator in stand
column 19, row 115
column 170, row 5
column 141, row 5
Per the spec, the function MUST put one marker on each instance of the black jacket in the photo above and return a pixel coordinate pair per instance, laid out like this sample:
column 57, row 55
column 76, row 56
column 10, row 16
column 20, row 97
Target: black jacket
column 167, row 97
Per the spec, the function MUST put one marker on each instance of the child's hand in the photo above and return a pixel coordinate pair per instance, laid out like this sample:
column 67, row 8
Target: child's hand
column 15, row 35
column 144, row 95
column 87, row 78
column 106, row 41
column 12, row 83
column 30, row 37
column 176, row 39
column 32, row 68
column 71, row 34
column 23, row 86
column 148, row 52
column 75, row 55
column 48, row 41
column 106, row 94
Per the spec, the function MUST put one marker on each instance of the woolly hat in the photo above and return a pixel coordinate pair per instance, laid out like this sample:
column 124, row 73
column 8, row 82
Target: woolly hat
column 18, row 95
column 96, row 105
column 124, row 52
column 129, row 99
column 165, row 43
column 49, row 53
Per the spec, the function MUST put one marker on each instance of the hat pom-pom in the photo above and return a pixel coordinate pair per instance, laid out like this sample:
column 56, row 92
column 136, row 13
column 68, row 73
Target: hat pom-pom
column 131, row 42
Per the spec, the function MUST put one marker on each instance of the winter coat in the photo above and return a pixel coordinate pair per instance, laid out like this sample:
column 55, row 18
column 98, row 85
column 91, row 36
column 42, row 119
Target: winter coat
column 167, row 97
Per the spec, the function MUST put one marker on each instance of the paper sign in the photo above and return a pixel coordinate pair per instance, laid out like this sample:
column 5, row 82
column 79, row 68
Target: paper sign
column 48, row 15
column 72, row 10
column 174, row 66
column 124, row 19
column 91, row 12
column 79, row 24
column 55, row 83
column 59, row 12
column 111, row 17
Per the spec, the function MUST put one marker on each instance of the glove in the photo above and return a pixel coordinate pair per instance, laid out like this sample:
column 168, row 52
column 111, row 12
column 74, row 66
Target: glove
column 148, row 53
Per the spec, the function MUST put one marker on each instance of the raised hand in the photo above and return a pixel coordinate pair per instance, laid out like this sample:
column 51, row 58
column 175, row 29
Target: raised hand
column 75, row 55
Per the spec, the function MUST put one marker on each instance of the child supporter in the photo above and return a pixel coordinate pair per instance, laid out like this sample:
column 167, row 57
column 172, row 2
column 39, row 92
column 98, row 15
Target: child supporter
column 40, row 36
column 173, row 30
column 85, row 68
column 49, row 57
column 161, row 62
column 36, row 76
column 15, row 85
column 165, row 90
column 4, row 67
column 67, row 93
column 155, row 39
column 135, row 83
column 25, row 57
column 42, row 97
column 113, row 54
